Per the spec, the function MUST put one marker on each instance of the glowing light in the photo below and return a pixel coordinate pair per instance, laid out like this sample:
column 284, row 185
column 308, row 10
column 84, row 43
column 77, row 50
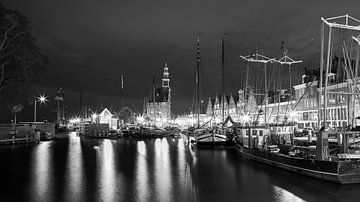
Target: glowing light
column 42, row 99
column 74, row 120
column 245, row 118
column 140, row 119
column 292, row 114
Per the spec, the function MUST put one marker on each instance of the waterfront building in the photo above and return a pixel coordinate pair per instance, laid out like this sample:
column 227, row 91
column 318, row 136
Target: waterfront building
column 339, row 106
column 105, row 117
column 306, row 94
column 158, row 107
column 233, row 106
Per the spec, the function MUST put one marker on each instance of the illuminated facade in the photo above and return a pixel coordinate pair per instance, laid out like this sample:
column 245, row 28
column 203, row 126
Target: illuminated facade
column 338, row 112
column 233, row 106
column 158, row 108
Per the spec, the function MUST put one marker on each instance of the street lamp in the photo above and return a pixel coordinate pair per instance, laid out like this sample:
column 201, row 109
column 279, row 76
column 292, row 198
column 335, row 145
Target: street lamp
column 42, row 99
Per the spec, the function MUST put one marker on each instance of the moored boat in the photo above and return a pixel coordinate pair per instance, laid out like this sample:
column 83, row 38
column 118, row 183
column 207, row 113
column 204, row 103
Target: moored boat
column 210, row 137
column 315, row 161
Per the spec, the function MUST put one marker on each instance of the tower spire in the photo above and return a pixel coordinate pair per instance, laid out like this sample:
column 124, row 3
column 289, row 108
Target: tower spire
column 165, row 79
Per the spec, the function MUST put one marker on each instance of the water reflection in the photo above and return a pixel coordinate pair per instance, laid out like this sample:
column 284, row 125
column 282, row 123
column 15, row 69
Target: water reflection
column 283, row 195
column 74, row 169
column 106, row 173
column 142, row 176
column 163, row 182
column 42, row 177
column 168, row 169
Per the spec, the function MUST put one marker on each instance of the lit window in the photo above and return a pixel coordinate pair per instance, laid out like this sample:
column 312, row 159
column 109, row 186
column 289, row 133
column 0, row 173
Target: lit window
column 306, row 103
column 341, row 99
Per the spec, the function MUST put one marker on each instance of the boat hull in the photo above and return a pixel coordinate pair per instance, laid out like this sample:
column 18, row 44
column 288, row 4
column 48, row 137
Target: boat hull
column 333, row 171
column 210, row 140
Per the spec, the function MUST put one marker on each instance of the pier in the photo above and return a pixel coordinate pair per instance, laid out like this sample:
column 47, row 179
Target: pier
column 29, row 139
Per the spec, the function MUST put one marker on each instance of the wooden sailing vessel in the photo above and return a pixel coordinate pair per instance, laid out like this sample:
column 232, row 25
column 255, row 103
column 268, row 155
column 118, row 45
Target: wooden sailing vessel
column 205, row 137
column 337, row 162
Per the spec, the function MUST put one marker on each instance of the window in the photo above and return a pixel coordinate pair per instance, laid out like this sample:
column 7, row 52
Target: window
column 306, row 103
column 341, row 99
column 322, row 100
column 314, row 103
column 300, row 125
column 305, row 116
column 332, row 99
column 311, row 116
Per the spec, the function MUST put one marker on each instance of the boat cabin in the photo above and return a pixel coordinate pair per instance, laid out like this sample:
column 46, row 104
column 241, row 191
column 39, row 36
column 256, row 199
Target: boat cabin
column 257, row 139
column 282, row 133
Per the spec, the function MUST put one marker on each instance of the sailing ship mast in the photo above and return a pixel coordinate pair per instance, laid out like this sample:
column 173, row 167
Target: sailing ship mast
column 153, row 97
column 332, row 25
column 222, row 76
column 286, row 60
column 258, row 58
column 197, row 81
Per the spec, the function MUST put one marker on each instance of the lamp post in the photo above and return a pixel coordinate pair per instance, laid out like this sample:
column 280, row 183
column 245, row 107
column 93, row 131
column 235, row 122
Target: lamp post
column 41, row 99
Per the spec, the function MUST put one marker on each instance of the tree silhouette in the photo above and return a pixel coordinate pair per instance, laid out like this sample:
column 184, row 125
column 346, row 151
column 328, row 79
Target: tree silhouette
column 20, row 58
column 127, row 115
column 15, row 109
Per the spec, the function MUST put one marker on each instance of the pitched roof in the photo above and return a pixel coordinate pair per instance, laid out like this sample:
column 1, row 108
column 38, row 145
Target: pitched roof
column 105, row 112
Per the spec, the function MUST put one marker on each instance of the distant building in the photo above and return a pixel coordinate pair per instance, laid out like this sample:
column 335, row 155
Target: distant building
column 106, row 117
column 233, row 106
column 158, row 106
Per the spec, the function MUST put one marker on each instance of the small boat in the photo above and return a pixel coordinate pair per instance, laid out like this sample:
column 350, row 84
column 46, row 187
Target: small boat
column 209, row 137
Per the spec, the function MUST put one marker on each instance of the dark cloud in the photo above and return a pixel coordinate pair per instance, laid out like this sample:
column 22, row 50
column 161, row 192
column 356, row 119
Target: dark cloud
column 92, row 42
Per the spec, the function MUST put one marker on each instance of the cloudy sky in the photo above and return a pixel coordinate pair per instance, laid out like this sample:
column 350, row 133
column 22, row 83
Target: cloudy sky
column 92, row 42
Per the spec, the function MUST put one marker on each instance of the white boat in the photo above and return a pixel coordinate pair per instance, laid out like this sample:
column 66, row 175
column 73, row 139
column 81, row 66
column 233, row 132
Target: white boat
column 209, row 137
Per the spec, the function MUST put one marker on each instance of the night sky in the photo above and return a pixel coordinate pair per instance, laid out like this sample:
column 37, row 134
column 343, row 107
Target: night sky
column 92, row 42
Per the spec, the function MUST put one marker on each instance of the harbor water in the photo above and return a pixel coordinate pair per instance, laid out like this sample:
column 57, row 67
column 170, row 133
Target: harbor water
column 73, row 168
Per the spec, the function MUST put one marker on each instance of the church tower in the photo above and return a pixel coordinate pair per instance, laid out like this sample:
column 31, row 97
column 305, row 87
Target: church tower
column 166, row 86
column 166, row 81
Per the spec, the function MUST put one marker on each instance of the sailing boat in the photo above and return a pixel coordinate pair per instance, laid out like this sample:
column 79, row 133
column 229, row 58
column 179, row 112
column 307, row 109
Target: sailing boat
column 205, row 137
column 339, row 162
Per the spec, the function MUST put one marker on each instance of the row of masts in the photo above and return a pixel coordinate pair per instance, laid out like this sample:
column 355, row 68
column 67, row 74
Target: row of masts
column 286, row 60
column 197, row 79
column 256, row 58
column 327, row 49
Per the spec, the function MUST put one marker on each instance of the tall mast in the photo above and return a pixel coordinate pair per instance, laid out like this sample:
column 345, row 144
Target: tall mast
column 258, row 58
column 122, row 91
column 222, row 75
column 145, row 101
column 81, row 106
column 333, row 24
column 153, row 95
column 286, row 60
column 197, row 81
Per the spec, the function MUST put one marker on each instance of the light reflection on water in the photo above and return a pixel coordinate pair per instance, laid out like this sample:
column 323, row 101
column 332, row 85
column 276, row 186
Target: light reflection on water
column 107, row 178
column 82, row 169
column 283, row 195
column 74, row 169
column 142, row 176
column 42, row 173
column 163, row 179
